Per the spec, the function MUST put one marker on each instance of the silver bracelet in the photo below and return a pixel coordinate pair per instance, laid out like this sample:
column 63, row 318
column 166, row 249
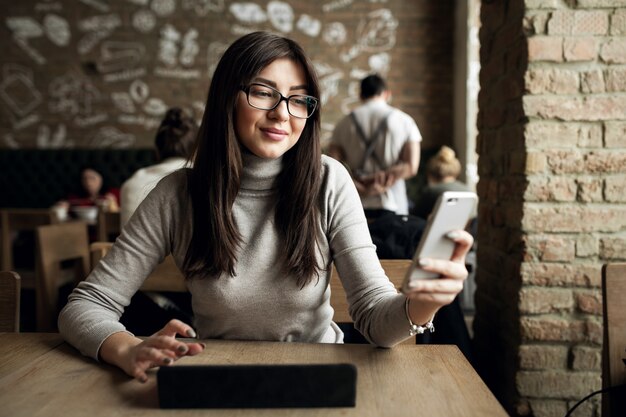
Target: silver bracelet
column 416, row 328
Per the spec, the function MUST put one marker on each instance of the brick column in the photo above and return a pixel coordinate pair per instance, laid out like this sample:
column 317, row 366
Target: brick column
column 552, row 166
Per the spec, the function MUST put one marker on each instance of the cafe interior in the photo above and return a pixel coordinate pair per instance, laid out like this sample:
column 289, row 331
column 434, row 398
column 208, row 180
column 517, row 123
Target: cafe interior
column 531, row 96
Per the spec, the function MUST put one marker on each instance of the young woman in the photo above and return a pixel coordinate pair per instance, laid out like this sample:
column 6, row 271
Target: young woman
column 254, row 226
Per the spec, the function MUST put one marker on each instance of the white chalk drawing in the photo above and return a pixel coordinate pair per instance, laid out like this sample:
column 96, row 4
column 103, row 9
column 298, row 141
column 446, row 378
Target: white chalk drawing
column 380, row 62
column 168, row 45
column 90, row 40
column 99, row 5
column 10, row 141
column 280, row 15
column 203, row 7
column 163, row 8
column 352, row 100
column 48, row 140
column 309, row 25
column 122, row 101
column 144, row 21
column 155, row 107
column 190, row 48
column 97, row 28
column 376, row 33
column 148, row 123
column 335, row 4
column 25, row 28
column 329, row 80
column 71, row 95
column 215, row 52
column 48, row 7
column 119, row 56
column 139, row 91
column 103, row 22
column 90, row 120
column 138, row 95
column 334, row 34
column 241, row 30
column 27, row 121
column 358, row 73
column 180, row 73
column 57, row 29
column 248, row 12
column 18, row 90
column 111, row 137
column 125, row 75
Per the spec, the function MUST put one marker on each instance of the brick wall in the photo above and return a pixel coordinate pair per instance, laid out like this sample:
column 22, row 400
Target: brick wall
column 94, row 73
column 552, row 165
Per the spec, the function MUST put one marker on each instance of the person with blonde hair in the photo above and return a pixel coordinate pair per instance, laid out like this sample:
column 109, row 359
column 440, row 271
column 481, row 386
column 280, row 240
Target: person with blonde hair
column 442, row 171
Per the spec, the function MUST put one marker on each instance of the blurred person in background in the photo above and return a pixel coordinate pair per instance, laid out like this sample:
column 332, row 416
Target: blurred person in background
column 173, row 143
column 442, row 171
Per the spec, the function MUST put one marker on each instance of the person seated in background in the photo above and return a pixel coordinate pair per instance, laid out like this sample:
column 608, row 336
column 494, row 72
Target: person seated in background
column 92, row 192
column 442, row 171
column 174, row 145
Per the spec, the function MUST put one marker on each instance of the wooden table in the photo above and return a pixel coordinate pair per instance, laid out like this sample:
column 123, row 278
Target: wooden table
column 42, row 376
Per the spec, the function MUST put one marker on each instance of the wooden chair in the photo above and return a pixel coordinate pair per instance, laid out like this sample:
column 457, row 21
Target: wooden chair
column 394, row 269
column 9, row 301
column 165, row 277
column 614, row 345
column 55, row 244
column 109, row 226
column 16, row 220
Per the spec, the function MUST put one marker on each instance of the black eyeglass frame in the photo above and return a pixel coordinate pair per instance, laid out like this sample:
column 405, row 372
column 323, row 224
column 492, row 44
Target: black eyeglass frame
column 314, row 100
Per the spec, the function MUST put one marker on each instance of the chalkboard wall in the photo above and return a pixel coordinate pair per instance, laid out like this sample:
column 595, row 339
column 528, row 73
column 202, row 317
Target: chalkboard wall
column 98, row 74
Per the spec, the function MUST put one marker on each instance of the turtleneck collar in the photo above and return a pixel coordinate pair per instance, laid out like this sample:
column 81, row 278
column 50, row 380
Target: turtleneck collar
column 259, row 173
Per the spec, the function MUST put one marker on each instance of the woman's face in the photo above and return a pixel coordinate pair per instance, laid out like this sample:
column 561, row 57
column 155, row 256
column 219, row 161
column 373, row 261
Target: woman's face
column 92, row 182
column 271, row 133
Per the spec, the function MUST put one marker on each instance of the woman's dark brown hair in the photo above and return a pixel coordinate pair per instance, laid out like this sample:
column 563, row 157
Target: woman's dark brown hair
column 215, row 178
column 176, row 135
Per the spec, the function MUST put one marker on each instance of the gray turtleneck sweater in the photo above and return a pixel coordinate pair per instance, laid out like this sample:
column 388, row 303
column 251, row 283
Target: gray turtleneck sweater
column 260, row 302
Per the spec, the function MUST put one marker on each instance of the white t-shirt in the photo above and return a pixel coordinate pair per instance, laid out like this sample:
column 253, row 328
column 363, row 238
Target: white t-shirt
column 401, row 128
column 139, row 185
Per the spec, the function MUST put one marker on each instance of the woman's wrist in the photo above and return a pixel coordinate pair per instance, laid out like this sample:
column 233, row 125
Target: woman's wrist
column 116, row 348
column 419, row 321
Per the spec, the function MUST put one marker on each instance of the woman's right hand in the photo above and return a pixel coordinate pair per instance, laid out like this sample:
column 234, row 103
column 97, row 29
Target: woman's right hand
column 135, row 356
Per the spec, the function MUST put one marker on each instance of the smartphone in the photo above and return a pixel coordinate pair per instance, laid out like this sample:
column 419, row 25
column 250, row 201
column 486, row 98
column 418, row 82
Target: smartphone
column 452, row 211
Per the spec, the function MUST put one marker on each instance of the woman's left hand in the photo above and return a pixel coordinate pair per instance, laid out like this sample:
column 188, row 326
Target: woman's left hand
column 429, row 295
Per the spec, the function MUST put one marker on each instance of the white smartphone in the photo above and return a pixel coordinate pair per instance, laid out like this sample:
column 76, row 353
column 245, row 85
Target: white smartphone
column 451, row 212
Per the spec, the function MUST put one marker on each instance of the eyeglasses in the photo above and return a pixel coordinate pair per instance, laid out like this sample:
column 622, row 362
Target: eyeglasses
column 263, row 97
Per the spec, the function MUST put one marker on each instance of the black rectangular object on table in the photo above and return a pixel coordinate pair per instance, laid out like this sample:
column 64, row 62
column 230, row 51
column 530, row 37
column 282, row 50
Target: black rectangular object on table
column 257, row 386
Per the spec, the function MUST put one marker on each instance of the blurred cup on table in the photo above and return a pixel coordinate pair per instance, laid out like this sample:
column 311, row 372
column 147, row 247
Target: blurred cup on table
column 60, row 211
column 88, row 214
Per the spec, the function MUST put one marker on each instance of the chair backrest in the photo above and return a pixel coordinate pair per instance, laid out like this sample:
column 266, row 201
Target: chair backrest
column 109, row 225
column 614, row 346
column 165, row 277
column 16, row 220
column 9, row 301
column 395, row 269
column 55, row 244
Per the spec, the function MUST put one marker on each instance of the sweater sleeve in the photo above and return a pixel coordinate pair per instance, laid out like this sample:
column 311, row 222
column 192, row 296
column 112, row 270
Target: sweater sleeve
column 375, row 305
column 95, row 306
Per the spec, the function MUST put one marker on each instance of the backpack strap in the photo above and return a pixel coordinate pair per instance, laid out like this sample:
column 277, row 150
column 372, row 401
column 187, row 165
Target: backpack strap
column 370, row 143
